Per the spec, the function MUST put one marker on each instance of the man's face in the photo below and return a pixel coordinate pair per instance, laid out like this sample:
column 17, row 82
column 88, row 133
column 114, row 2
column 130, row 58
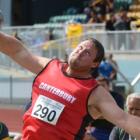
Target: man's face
column 83, row 56
column 133, row 106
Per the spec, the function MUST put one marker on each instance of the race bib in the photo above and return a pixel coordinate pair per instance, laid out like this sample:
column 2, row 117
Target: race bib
column 47, row 110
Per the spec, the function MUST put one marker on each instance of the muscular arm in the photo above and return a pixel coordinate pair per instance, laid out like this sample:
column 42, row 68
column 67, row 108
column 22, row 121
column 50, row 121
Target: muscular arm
column 106, row 106
column 19, row 53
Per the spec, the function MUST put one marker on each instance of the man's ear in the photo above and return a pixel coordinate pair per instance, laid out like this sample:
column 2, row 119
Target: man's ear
column 95, row 64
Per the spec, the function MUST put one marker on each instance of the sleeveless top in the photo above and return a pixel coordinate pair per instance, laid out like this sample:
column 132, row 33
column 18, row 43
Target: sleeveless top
column 59, row 105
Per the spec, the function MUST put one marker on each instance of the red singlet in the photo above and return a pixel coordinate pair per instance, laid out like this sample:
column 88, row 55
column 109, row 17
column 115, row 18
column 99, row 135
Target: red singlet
column 59, row 105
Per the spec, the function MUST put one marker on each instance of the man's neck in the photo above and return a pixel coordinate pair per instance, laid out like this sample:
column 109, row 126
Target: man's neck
column 77, row 73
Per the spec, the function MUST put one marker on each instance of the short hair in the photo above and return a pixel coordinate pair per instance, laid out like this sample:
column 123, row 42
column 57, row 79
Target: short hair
column 99, row 56
column 100, row 50
column 132, row 95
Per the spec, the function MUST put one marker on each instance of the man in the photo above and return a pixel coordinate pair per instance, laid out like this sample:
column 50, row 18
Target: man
column 114, row 64
column 133, row 107
column 64, row 94
column 109, row 27
column 106, row 69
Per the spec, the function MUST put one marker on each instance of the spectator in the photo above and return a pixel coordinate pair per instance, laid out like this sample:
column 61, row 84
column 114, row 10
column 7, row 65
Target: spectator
column 87, row 11
column 92, row 18
column 109, row 26
column 133, row 108
column 88, row 135
column 106, row 70
column 101, row 128
column 122, row 23
column 110, row 6
column 4, row 132
column 99, row 6
column 114, row 65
